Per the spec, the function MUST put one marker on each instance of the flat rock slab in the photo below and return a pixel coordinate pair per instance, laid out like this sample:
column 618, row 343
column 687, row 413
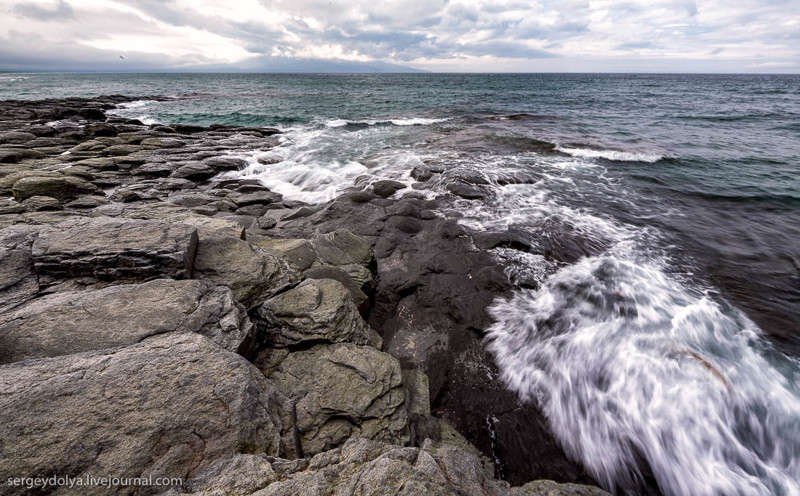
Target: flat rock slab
column 167, row 407
column 341, row 391
column 316, row 310
column 18, row 281
column 76, row 321
column 115, row 249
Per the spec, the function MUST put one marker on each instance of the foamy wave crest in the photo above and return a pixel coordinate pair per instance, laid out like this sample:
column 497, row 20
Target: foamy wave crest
column 413, row 121
column 134, row 110
column 614, row 155
column 629, row 365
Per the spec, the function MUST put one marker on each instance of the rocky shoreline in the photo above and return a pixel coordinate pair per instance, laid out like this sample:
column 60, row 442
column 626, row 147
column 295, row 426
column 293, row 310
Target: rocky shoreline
column 156, row 320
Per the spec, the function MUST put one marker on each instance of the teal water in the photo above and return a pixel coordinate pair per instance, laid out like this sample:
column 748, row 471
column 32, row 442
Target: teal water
column 659, row 317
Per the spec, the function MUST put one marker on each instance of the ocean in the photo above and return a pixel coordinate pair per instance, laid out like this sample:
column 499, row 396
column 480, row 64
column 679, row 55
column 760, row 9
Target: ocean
column 657, row 311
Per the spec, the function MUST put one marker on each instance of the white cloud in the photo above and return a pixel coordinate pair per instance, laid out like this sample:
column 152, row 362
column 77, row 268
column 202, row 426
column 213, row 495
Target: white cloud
column 432, row 34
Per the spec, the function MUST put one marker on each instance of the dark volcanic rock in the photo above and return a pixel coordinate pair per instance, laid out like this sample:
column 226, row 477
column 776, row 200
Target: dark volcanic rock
column 466, row 191
column 115, row 249
column 386, row 188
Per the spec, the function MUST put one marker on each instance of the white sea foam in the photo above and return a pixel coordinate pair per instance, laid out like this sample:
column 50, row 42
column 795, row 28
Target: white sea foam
column 413, row 121
column 614, row 155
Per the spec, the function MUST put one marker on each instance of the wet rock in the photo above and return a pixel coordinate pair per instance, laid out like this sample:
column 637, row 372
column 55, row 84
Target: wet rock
column 163, row 142
column 252, row 274
column 386, row 188
column 466, row 191
column 60, row 187
column 316, row 310
column 255, row 198
column 170, row 406
column 225, row 163
column 115, row 249
column 71, row 322
column 341, row 391
column 342, row 247
column 194, row 172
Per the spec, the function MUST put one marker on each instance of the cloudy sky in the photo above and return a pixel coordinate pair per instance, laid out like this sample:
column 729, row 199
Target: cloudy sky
column 436, row 35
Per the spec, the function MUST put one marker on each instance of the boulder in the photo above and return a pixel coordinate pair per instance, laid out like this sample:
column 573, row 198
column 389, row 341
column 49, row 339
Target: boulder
column 342, row 247
column 116, row 249
column 170, row 406
column 467, row 191
column 386, row 188
column 252, row 274
column 365, row 467
column 59, row 187
column 316, row 310
column 360, row 298
column 75, row 321
column 344, row 390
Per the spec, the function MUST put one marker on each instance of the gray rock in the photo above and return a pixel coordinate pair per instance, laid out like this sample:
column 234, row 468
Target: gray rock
column 18, row 281
column 266, row 222
column 342, row 247
column 88, row 201
column 365, row 467
column 360, row 298
column 168, row 407
column 252, row 274
column 117, row 249
column 60, row 187
column 297, row 252
column 225, row 163
column 255, row 198
column 124, row 195
column 343, row 390
column 37, row 203
column 466, row 191
column 386, row 188
column 196, row 171
column 75, row 321
column 316, row 310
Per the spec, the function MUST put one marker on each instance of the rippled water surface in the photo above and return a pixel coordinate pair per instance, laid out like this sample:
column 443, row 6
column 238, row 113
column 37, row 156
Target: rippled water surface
column 657, row 315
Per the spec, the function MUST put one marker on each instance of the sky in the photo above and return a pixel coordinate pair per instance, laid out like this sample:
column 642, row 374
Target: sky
column 431, row 35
